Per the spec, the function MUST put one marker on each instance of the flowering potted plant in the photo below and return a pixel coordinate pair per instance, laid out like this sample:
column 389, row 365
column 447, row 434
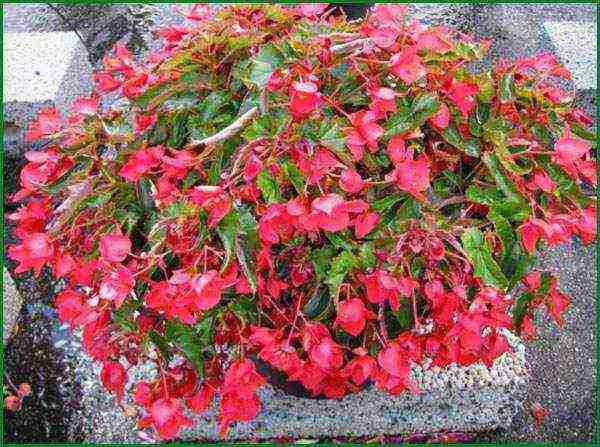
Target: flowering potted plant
column 335, row 199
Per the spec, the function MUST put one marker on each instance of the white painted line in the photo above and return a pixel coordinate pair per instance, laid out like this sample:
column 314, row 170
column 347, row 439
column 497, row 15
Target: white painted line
column 35, row 64
column 575, row 43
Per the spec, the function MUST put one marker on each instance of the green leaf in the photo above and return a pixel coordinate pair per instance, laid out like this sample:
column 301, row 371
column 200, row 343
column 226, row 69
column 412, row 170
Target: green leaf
column 318, row 305
column 160, row 343
column 144, row 193
column 340, row 266
column 268, row 186
column 506, row 186
column 404, row 315
column 211, row 105
column 424, row 106
column 246, row 242
column 184, row 338
column 268, row 59
column 294, row 176
column 507, row 87
column 521, row 308
column 484, row 266
column 321, row 260
column 331, row 136
column 584, row 133
column 399, row 122
column 453, row 137
column 367, row 256
column 388, row 201
column 498, row 139
column 339, row 241
column 227, row 229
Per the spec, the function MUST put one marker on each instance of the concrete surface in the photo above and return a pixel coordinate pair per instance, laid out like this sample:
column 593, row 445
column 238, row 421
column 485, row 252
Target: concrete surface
column 11, row 305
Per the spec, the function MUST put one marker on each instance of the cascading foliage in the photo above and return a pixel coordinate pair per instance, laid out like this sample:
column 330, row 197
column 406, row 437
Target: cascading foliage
column 338, row 199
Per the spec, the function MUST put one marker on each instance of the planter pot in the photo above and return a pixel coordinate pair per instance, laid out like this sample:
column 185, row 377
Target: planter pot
column 455, row 399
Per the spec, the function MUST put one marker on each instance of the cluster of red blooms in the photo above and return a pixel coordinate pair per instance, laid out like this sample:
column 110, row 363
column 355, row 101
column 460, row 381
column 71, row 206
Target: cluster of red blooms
column 183, row 260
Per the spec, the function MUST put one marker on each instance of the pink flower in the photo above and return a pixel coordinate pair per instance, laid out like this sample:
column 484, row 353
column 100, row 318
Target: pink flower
column 117, row 285
column 435, row 39
column 407, row 65
column 304, row 99
column 389, row 13
column 86, row 106
column 441, row 119
column 384, row 36
column 397, row 150
column 360, row 368
column 352, row 316
column 114, row 247
column 141, row 162
column 202, row 400
column 570, row 148
column 311, row 9
column 168, row 418
column 48, row 123
column 463, row 95
column 34, row 252
column 364, row 223
column 384, row 100
column 543, row 181
column 413, row 175
column 366, row 131
column 351, row 181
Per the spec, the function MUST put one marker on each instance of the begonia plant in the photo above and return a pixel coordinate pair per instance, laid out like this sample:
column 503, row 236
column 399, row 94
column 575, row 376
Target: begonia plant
column 337, row 199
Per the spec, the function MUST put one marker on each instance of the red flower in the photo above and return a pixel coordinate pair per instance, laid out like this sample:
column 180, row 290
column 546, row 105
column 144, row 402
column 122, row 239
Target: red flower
column 327, row 354
column 275, row 81
column 71, row 308
column 252, row 168
column 539, row 413
column 202, row 400
column 34, row 252
column 462, row 94
column 360, row 368
column 168, row 418
column 114, row 247
column 531, row 231
column 441, row 119
column 364, row 223
column 413, row 175
column 380, row 286
column 397, row 150
column 384, row 100
column 304, row 99
column 105, row 83
column 331, row 212
column 12, row 403
column 114, row 377
column 234, row 408
column 352, row 316
column 407, row 65
column 144, row 122
column 141, row 162
column 48, row 123
column 556, row 303
column 208, row 287
column 389, row 13
column 117, row 285
column 351, row 181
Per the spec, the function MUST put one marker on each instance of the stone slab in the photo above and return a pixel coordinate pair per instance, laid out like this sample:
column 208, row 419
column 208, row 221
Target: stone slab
column 11, row 305
column 455, row 399
column 575, row 43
